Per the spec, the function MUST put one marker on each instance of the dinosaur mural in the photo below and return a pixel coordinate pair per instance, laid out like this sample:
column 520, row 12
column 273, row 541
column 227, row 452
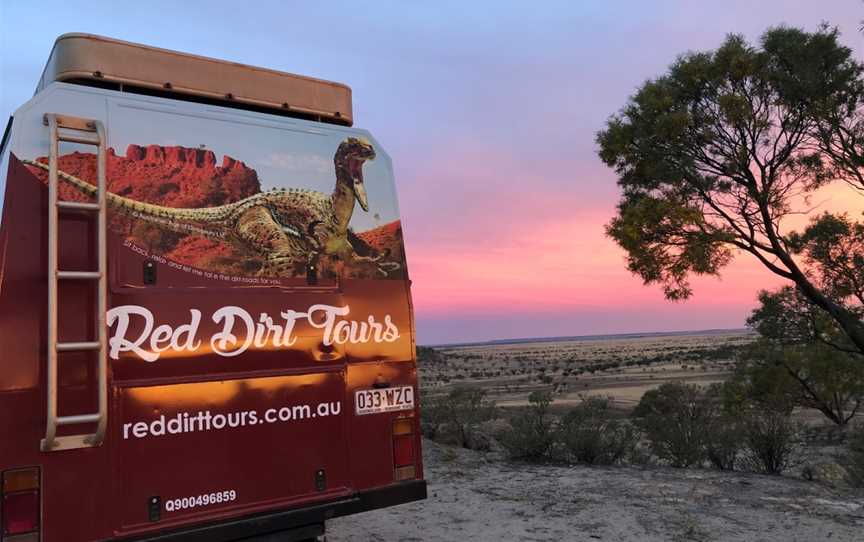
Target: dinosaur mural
column 285, row 229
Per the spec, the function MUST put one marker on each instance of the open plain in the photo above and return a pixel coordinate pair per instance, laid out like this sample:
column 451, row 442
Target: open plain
column 622, row 368
column 483, row 496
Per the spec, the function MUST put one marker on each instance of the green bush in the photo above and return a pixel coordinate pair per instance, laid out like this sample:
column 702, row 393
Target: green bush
column 456, row 415
column 771, row 439
column 590, row 434
column 531, row 436
column 724, row 437
column 676, row 419
column 724, row 442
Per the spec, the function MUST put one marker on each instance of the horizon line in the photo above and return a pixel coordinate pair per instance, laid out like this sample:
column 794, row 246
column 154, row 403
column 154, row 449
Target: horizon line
column 593, row 336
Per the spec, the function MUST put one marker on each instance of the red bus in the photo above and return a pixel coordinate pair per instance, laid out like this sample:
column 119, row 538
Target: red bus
column 205, row 313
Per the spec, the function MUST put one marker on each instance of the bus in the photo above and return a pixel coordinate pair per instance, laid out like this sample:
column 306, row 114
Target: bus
column 206, row 328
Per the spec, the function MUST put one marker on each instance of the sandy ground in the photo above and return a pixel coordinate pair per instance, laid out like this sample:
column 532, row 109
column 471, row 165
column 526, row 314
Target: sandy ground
column 473, row 497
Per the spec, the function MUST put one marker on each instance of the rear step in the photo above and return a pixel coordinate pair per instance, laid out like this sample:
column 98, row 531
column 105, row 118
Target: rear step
column 85, row 132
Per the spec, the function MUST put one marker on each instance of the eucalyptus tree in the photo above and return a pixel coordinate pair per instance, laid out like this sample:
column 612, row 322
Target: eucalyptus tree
column 717, row 154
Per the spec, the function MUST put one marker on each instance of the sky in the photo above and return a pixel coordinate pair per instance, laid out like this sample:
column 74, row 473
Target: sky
column 489, row 111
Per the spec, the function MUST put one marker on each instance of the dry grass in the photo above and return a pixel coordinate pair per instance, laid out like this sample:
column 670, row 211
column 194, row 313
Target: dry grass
column 622, row 369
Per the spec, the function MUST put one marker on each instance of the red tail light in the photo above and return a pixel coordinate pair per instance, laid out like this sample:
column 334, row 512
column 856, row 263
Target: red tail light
column 403, row 448
column 19, row 509
column 20, row 512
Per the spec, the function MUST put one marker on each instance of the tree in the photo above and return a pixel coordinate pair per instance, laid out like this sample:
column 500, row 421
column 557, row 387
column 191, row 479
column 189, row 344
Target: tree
column 802, row 357
column 714, row 155
column 832, row 246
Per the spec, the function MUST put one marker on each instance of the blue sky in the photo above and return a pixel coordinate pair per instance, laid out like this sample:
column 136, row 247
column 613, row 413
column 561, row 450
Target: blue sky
column 488, row 110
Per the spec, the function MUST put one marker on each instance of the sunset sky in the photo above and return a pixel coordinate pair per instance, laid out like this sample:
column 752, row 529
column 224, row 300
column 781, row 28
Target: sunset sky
column 489, row 111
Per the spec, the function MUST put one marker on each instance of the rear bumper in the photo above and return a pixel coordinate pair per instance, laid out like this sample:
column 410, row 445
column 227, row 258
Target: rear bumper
column 299, row 519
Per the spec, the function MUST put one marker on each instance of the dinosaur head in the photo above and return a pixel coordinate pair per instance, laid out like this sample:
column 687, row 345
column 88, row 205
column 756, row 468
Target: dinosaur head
column 349, row 159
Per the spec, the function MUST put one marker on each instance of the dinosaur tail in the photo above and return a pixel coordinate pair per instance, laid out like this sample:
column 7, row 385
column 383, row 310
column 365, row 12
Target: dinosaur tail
column 176, row 219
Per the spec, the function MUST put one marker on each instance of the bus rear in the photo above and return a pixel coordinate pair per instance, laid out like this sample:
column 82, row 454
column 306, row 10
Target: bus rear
column 205, row 313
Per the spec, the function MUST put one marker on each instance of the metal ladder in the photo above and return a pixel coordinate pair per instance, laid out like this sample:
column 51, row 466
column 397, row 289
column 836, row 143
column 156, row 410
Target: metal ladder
column 86, row 132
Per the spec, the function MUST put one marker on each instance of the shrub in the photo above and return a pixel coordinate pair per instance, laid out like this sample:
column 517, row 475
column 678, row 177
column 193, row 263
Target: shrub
column 675, row 418
column 771, row 438
column 590, row 434
column 853, row 459
column 457, row 414
column 724, row 441
column 531, row 436
column 724, row 435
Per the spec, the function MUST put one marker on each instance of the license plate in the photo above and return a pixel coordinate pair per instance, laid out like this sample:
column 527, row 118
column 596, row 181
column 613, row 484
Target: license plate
column 383, row 400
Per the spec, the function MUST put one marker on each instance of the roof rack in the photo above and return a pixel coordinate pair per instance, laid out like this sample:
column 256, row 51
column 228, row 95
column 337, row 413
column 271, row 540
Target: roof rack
column 98, row 61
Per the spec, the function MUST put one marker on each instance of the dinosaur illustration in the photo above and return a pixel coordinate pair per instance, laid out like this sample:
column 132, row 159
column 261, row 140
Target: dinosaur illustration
column 289, row 228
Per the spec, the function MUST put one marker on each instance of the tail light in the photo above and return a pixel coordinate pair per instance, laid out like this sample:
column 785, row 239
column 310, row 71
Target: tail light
column 403, row 448
column 19, row 505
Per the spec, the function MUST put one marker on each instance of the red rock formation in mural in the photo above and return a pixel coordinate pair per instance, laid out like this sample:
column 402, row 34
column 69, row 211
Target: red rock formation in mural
column 173, row 177
column 182, row 177
column 169, row 176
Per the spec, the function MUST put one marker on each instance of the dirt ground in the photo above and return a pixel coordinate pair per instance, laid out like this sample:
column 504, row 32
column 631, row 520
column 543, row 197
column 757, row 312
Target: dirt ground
column 477, row 497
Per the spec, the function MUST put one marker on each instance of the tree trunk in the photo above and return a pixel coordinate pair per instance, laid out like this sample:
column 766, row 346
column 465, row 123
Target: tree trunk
column 847, row 320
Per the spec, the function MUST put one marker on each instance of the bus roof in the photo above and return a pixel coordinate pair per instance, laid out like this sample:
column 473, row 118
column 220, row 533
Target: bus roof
column 110, row 63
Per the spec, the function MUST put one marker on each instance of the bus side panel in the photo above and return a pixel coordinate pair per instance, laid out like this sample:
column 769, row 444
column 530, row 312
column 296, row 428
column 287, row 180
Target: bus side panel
column 389, row 366
column 210, row 449
column 71, row 508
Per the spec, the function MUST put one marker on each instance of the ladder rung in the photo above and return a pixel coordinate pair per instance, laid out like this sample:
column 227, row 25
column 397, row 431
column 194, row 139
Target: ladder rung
column 79, row 418
column 91, row 133
column 78, row 139
column 69, row 347
column 79, row 275
column 72, row 123
column 78, row 205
